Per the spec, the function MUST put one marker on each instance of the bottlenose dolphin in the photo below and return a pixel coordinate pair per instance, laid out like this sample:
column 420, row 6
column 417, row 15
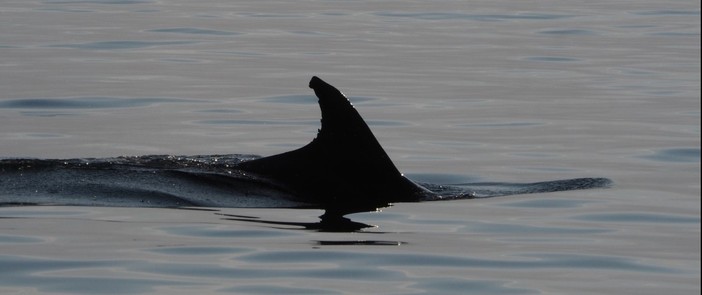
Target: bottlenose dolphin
column 343, row 170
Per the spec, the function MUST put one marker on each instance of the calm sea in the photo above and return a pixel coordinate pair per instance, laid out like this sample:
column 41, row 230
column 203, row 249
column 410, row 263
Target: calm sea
column 515, row 91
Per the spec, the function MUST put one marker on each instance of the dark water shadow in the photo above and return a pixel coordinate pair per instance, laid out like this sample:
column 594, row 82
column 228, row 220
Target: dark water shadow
column 327, row 223
column 330, row 223
column 361, row 243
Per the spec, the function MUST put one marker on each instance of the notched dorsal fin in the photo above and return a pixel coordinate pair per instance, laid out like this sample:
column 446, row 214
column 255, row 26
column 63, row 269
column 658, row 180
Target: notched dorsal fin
column 344, row 130
column 344, row 165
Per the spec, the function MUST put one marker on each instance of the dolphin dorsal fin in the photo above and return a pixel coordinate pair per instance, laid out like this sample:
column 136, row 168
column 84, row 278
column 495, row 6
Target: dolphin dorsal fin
column 344, row 164
column 343, row 129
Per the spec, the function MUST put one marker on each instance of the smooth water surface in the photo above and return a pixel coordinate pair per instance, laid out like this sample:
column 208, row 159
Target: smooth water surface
column 456, row 92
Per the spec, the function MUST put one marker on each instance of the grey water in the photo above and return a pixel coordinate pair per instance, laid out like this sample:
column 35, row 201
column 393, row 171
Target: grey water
column 455, row 91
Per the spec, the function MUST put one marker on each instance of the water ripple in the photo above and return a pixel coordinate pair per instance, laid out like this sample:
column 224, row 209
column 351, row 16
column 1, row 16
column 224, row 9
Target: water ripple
column 113, row 45
column 532, row 261
column 552, row 58
column 86, row 102
column 669, row 12
column 637, row 218
column 682, row 155
column 547, row 203
column 500, row 124
column 55, row 275
column 267, row 289
column 12, row 239
column 508, row 229
column 460, row 286
column 47, row 114
column 97, row 1
column 198, row 250
column 198, row 31
column 570, row 32
column 219, row 232
column 257, row 122
column 476, row 17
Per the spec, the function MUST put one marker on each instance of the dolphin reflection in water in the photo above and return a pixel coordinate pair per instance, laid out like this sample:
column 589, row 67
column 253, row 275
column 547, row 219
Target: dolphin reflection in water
column 343, row 170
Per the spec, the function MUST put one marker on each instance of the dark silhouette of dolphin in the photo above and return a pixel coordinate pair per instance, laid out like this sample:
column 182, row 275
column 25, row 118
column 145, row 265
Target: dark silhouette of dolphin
column 343, row 170
column 344, row 166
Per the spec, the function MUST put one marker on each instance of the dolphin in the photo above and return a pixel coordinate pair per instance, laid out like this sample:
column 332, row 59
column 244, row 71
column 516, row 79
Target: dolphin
column 344, row 169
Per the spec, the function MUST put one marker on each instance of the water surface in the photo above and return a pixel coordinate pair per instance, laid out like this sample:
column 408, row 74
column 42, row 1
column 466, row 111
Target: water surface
column 496, row 91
